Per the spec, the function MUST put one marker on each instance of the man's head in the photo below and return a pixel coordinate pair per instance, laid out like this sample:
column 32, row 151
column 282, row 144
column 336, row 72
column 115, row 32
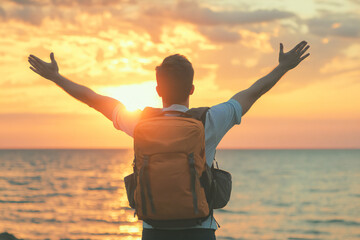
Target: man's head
column 175, row 79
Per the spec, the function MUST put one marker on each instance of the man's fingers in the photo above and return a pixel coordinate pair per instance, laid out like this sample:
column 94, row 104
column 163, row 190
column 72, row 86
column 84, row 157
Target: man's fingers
column 36, row 59
column 296, row 48
column 303, row 57
column 301, row 47
column 36, row 71
column 33, row 62
column 36, row 64
column 281, row 48
column 304, row 50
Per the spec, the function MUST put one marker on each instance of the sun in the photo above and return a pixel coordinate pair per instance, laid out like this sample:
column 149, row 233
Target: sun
column 134, row 96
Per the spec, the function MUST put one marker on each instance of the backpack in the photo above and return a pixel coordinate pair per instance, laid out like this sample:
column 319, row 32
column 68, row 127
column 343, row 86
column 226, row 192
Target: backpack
column 172, row 186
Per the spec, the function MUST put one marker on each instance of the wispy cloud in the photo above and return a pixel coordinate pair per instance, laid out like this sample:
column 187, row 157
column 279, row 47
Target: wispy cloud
column 192, row 12
column 219, row 34
column 333, row 24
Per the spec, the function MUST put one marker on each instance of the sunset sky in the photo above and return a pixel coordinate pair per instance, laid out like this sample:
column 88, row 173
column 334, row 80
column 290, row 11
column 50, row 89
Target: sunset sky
column 113, row 47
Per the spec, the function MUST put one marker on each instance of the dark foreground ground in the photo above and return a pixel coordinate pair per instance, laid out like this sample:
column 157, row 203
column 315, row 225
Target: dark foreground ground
column 7, row 236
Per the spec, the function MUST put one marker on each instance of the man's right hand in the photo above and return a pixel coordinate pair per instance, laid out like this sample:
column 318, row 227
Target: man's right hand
column 47, row 70
column 291, row 59
column 287, row 61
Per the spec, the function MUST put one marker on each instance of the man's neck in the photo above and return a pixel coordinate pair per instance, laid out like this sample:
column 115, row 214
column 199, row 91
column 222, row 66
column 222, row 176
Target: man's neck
column 185, row 103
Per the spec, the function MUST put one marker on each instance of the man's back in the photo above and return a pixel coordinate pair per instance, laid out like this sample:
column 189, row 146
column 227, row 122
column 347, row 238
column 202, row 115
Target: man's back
column 219, row 120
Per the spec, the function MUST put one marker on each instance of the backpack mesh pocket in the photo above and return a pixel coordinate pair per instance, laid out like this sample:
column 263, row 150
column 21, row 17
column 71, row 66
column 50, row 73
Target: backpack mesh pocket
column 130, row 185
column 222, row 187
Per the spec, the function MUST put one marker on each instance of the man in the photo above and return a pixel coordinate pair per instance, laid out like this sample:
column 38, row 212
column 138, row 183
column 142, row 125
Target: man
column 175, row 85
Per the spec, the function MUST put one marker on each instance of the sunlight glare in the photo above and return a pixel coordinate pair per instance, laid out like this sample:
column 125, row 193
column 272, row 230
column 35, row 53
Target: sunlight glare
column 134, row 96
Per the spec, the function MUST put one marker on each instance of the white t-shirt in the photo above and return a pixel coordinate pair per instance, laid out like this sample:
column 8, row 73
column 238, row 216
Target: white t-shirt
column 219, row 120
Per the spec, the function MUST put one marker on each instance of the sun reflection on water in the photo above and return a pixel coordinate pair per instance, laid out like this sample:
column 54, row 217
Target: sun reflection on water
column 80, row 194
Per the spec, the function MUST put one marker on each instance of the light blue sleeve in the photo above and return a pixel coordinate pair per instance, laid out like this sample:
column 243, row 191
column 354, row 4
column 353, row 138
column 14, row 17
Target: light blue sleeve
column 124, row 120
column 219, row 120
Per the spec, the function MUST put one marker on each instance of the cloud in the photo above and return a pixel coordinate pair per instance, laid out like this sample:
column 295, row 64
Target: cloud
column 340, row 25
column 35, row 11
column 2, row 13
column 355, row 1
column 28, row 11
column 335, row 4
column 192, row 12
column 72, row 3
column 218, row 26
column 28, row 2
column 30, row 14
column 339, row 65
column 219, row 34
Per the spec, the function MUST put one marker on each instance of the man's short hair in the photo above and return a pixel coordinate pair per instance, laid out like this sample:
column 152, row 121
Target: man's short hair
column 175, row 77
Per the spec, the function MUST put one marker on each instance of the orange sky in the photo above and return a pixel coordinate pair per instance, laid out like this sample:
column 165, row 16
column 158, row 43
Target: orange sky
column 113, row 47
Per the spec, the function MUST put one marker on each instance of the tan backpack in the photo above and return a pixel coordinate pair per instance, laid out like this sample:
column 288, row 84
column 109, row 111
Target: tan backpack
column 172, row 186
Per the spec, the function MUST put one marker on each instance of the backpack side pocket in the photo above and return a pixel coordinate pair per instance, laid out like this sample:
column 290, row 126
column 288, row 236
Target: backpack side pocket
column 222, row 187
column 130, row 185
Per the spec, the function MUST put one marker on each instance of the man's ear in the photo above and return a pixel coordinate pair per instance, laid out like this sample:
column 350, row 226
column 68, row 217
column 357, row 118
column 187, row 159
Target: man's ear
column 158, row 91
column 192, row 90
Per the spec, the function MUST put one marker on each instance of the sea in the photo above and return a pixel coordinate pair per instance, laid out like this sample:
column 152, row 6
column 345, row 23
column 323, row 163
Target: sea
column 277, row 194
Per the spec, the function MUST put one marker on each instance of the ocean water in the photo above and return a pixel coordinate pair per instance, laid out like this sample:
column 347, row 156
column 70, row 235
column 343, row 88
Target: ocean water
column 277, row 194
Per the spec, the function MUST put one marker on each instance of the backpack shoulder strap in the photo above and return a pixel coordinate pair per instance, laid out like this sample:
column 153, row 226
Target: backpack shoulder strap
column 149, row 112
column 198, row 113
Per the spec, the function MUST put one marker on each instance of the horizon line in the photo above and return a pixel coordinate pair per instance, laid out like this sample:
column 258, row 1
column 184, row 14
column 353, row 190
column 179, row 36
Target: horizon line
column 106, row 148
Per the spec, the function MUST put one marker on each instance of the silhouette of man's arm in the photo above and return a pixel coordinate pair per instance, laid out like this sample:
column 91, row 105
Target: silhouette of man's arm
column 287, row 61
column 50, row 71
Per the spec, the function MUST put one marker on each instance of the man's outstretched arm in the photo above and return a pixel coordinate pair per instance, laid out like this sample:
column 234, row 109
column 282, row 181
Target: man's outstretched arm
column 50, row 71
column 287, row 61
